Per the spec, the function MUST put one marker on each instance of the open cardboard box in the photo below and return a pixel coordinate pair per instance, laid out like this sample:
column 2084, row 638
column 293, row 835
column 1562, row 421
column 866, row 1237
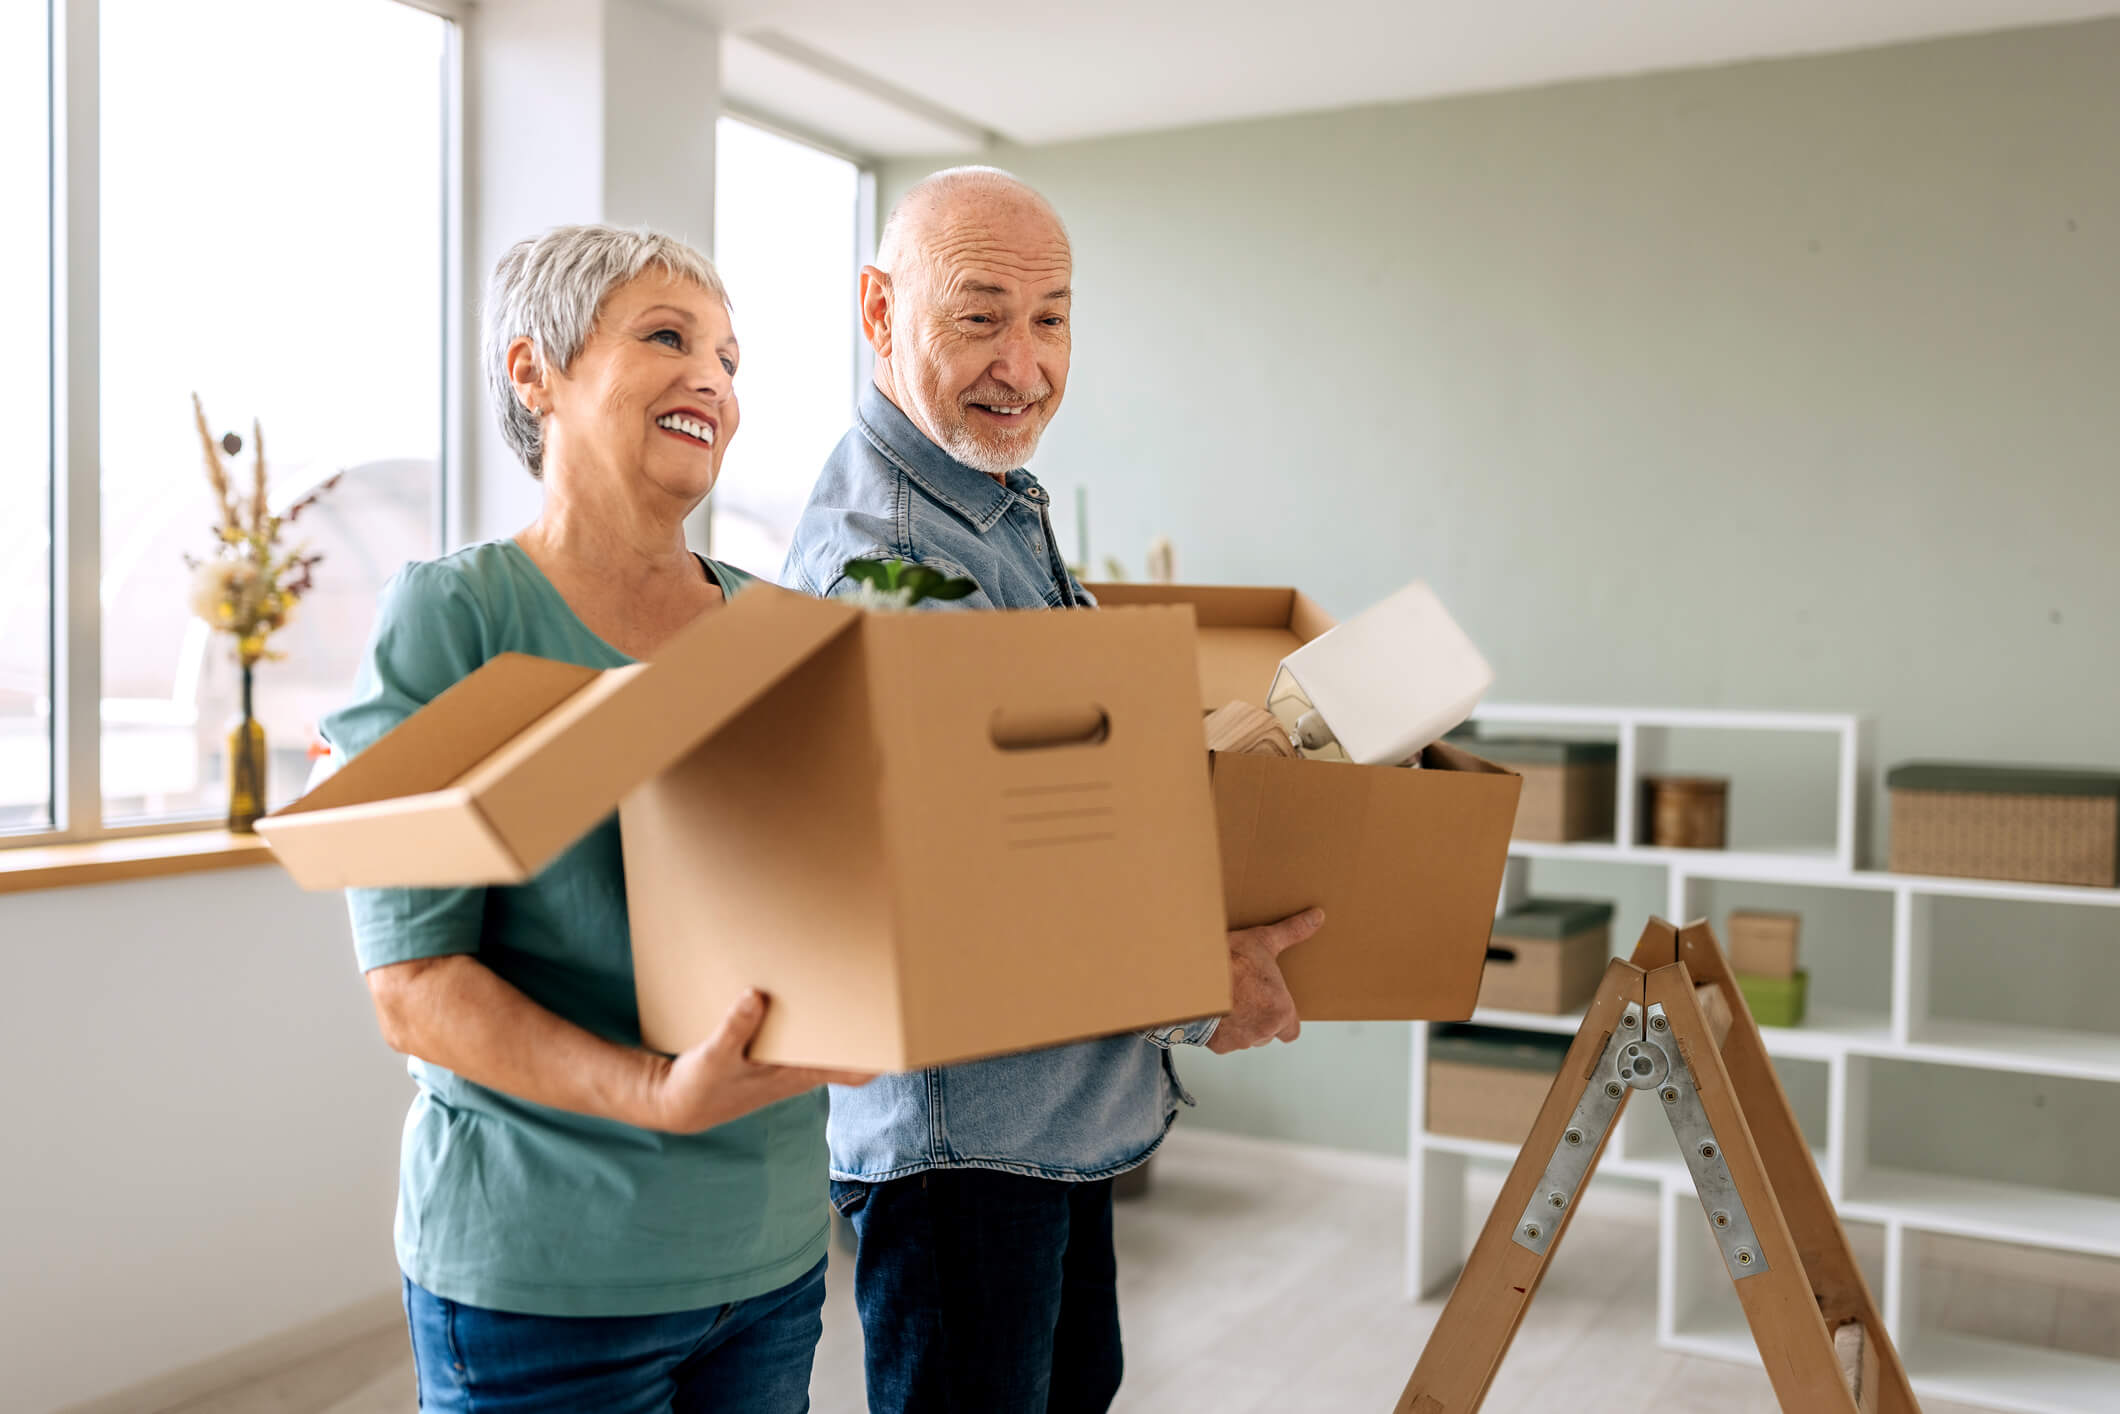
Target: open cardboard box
column 928, row 837
column 1406, row 864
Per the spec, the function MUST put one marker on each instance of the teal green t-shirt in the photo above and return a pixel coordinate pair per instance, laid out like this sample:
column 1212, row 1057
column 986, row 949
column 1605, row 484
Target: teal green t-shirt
column 509, row 1205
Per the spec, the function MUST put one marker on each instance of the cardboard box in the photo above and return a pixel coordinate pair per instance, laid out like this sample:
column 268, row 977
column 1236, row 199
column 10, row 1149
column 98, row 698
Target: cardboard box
column 1570, row 787
column 1486, row 1084
column 1547, row 956
column 1763, row 942
column 2034, row 824
column 928, row 837
column 1407, row 864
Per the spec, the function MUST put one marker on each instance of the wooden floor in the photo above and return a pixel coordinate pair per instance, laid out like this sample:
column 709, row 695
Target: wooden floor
column 1255, row 1278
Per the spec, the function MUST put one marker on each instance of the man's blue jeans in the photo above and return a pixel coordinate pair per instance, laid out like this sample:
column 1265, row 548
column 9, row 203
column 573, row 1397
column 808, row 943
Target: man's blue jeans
column 986, row 1293
column 749, row 1357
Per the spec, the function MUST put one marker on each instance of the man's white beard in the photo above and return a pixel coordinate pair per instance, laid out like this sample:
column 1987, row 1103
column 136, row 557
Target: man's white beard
column 954, row 421
column 994, row 461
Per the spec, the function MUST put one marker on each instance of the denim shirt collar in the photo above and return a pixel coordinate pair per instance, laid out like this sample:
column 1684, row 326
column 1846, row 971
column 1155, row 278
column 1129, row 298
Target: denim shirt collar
column 973, row 494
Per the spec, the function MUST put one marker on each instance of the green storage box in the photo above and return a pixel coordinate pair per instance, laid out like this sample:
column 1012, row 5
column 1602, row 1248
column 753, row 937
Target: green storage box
column 1775, row 1001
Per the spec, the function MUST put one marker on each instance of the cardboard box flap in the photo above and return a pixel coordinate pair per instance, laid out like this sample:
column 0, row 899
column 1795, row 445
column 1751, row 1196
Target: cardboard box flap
column 492, row 779
column 1244, row 632
column 557, row 779
column 432, row 749
column 393, row 814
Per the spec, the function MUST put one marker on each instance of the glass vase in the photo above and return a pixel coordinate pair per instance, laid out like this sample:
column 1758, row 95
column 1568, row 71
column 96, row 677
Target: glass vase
column 246, row 767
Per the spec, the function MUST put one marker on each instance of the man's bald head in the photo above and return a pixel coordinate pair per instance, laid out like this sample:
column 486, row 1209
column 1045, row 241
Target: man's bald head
column 967, row 308
column 929, row 210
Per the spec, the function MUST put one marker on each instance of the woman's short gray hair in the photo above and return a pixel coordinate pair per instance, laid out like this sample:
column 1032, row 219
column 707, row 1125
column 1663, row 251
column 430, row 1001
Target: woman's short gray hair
column 549, row 289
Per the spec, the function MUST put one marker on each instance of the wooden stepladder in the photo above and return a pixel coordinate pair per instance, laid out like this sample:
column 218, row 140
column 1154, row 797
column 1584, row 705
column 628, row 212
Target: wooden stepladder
column 1671, row 1024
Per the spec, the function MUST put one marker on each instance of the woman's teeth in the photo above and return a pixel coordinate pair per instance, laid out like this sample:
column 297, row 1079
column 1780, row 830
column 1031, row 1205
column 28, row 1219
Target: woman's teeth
column 699, row 431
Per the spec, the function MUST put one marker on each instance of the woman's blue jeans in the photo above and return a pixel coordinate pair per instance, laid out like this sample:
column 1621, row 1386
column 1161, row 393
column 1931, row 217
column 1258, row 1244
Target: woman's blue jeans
column 749, row 1357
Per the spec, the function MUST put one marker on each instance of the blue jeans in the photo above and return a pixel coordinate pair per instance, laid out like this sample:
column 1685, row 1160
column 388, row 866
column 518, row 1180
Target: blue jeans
column 749, row 1357
column 986, row 1293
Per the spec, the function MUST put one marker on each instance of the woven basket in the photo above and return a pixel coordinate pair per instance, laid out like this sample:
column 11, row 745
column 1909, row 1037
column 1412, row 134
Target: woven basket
column 2045, row 839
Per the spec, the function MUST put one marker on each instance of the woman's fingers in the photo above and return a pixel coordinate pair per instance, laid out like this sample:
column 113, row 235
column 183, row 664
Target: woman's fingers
column 733, row 1037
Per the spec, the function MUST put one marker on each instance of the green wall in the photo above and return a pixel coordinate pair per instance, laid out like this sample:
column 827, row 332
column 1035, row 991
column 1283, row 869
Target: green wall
column 1791, row 384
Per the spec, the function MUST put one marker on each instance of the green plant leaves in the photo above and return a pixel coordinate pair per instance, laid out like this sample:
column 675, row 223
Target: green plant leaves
column 911, row 581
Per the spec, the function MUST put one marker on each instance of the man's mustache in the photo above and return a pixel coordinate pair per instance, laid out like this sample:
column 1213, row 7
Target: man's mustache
column 1007, row 396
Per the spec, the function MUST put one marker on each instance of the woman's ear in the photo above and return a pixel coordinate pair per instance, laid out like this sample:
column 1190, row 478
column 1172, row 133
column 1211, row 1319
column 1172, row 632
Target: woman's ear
column 528, row 376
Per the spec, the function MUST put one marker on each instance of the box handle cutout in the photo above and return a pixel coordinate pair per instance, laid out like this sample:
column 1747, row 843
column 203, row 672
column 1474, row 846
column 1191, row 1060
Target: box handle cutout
column 1501, row 954
column 1043, row 728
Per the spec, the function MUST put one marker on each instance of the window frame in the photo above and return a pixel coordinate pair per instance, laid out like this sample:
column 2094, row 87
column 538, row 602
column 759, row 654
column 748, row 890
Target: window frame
column 75, row 623
column 867, row 227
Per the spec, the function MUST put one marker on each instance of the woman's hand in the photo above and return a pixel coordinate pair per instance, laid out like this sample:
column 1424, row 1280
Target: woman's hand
column 716, row 1082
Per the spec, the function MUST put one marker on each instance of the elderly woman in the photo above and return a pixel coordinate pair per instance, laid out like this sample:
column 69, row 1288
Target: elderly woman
column 583, row 1224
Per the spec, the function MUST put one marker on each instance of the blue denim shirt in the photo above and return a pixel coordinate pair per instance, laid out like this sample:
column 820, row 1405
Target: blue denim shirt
column 1082, row 1111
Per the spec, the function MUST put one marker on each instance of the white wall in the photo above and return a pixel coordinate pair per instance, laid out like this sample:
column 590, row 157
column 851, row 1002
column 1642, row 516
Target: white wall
column 1787, row 384
column 201, row 1134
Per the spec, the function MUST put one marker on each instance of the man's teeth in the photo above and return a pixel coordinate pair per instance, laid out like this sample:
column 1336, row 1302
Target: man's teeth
column 686, row 425
column 1000, row 411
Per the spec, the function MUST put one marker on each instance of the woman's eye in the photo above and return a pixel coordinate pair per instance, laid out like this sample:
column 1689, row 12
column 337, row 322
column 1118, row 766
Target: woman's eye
column 670, row 337
column 977, row 319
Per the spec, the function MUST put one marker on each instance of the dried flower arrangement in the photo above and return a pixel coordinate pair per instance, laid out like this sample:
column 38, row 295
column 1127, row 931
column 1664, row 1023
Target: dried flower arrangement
column 247, row 588
column 248, row 585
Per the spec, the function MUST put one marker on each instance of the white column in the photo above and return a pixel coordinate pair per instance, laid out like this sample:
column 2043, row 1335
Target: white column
column 575, row 110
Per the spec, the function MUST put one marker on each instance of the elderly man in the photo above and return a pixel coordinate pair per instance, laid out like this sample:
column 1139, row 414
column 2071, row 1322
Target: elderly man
column 981, row 1193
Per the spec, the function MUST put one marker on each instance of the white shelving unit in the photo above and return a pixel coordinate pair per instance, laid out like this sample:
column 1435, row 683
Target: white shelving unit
column 1828, row 1065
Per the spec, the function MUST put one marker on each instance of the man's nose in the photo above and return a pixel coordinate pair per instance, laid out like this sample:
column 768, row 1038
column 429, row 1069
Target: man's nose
column 1016, row 360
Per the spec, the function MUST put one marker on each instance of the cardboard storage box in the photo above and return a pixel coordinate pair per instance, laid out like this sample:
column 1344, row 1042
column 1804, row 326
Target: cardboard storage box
column 1406, row 863
column 1489, row 1084
column 1763, row 942
column 1571, row 788
column 2031, row 824
column 927, row 837
column 1547, row 955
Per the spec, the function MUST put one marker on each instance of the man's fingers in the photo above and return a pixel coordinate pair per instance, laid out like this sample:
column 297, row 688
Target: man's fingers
column 1280, row 937
column 733, row 1037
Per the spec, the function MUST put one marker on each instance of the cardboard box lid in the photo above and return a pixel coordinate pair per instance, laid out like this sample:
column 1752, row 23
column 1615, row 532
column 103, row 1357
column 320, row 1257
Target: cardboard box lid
column 1244, row 632
column 1492, row 1046
column 1539, row 751
column 1971, row 778
column 1550, row 919
column 495, row 777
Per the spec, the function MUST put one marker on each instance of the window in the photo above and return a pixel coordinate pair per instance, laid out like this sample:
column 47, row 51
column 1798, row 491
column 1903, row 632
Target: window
column 271, row 197
column 25, row 410
column 786, row 227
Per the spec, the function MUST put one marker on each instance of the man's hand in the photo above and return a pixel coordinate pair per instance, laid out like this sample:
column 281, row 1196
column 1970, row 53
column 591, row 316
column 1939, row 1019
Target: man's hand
column 1261, row 1009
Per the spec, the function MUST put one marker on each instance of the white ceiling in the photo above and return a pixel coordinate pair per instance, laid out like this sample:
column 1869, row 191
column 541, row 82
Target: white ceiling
column 1037, row 73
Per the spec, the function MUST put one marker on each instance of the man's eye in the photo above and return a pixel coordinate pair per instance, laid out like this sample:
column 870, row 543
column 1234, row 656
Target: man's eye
column 670, row 337
column 728, row 366
column 978, row 319
column 1055, row 320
